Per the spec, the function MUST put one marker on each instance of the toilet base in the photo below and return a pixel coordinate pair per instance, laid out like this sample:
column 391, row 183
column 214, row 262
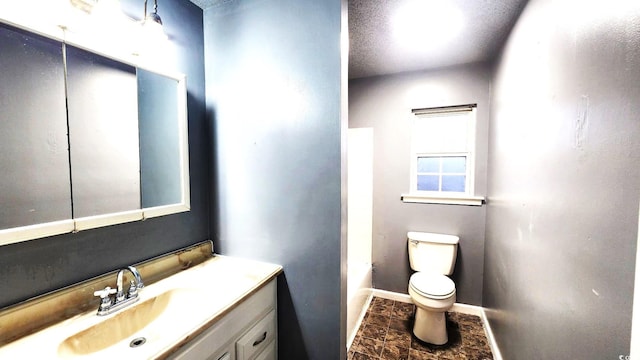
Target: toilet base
column 430, row 327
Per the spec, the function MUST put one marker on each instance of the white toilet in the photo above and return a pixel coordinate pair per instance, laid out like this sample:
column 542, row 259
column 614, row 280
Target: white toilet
column 433, row 256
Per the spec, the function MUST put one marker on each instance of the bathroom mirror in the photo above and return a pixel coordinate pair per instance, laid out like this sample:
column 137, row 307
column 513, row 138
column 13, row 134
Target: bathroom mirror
column 34, row 162
column 86, row 139
column 102, row 113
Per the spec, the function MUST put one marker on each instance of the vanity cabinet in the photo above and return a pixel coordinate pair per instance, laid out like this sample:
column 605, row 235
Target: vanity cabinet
column 247, row 332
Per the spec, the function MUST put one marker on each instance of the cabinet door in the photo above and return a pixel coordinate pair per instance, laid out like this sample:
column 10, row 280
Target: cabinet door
column 226, row 354
column 223, row 337
column 269, row 353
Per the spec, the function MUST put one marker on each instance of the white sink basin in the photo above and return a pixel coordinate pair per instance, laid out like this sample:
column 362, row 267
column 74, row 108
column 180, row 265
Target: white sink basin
column 170, row 310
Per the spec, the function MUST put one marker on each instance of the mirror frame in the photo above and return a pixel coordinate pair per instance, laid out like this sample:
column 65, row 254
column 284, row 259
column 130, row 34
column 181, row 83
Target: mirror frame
column 20, row 17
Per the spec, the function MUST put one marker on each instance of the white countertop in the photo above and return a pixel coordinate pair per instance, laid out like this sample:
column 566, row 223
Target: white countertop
column 204, row 293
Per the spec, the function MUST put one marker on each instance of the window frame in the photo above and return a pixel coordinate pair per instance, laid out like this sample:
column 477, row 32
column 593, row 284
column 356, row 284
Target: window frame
column 467, row 197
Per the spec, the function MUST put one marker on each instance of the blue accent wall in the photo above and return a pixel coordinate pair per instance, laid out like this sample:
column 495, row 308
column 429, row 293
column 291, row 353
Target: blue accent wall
column 273, row 74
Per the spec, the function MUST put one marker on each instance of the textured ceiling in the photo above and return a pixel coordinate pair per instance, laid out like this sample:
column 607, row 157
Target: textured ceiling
column 374, row 51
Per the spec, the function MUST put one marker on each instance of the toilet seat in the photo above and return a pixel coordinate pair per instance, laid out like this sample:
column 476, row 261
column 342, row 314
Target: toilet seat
column 433, row 286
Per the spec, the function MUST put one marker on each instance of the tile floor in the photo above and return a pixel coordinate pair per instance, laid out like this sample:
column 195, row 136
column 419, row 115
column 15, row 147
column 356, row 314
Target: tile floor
column 385, row 334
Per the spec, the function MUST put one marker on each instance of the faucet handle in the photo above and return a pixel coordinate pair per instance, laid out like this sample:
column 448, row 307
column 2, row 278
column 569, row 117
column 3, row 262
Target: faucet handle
column 136, row 275
column 105, row 304
column 104, row 293
column 133, row 289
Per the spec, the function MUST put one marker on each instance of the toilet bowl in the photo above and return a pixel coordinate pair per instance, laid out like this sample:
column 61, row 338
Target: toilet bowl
column 433, row 256
column 433, row 295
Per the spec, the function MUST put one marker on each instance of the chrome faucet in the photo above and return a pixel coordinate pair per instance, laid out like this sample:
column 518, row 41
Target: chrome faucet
column 133, row 288
column 107, row 305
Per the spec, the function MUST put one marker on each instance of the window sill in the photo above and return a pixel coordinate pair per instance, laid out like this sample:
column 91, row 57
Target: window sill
column 448, row 200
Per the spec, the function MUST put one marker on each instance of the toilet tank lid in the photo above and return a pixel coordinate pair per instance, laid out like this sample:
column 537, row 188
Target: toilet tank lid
column 432, row 237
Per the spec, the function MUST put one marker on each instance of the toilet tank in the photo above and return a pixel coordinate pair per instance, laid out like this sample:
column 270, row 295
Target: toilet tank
column 432, row 252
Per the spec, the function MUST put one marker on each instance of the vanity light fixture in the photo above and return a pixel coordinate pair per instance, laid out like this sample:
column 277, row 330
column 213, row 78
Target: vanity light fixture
column 154, row 17
column 152, row 23
column 109, row 11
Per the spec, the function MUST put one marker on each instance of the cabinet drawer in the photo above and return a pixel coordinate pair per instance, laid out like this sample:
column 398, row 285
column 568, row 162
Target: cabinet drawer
column 257, row 338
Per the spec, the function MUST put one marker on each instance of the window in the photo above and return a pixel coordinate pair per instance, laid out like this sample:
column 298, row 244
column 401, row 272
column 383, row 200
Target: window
column 442, row 156
column 441, row 173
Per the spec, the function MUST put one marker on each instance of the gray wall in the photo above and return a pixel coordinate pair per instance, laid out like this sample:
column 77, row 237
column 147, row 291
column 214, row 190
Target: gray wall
column 562, row 218
column 34, row 267
column 385, row 103
column 274, row 98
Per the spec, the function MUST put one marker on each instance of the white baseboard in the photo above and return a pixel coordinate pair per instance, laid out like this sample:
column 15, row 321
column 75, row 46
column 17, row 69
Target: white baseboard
column 457, row 307
column 497, row 355
column 391, row 295
column 467, row 309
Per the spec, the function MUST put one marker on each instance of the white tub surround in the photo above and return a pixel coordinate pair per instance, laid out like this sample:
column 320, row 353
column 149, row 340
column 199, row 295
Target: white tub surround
column 359, row 227
column 358, row 297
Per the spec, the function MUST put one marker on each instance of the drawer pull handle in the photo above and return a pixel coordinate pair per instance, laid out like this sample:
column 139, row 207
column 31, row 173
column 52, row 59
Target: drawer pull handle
column 259, row 341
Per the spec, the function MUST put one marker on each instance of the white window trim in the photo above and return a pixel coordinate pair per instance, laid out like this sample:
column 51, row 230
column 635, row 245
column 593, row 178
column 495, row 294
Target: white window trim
column 451, row 198
column 442, row 199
